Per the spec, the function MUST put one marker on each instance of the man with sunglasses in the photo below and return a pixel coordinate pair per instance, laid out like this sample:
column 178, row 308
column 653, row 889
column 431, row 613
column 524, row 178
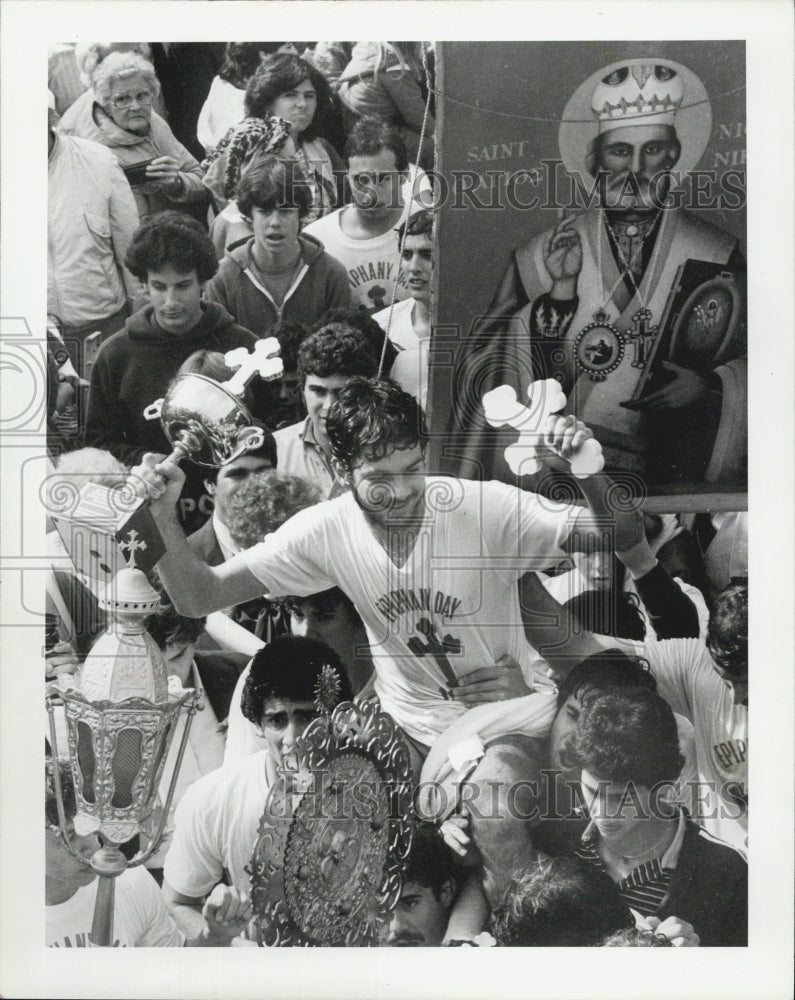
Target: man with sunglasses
column 216, row 822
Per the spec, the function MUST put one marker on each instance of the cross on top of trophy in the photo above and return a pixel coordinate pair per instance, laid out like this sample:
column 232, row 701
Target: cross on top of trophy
column 503, row 408
column 263, row 360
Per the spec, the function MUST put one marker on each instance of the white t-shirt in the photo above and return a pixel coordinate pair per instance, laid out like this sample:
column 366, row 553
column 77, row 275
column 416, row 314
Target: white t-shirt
column 242, row 738
column 686, row 678
column 373, row 265
column 216, row 826
column 223, row 108
column 410, row 368
column 140, row 917
column 401, row 327
column 451, row 608
column 204, row 752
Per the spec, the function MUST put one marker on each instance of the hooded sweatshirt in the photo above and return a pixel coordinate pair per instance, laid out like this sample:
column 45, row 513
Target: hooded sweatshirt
column 92, row 122
column 320, row 283
column 134, row 368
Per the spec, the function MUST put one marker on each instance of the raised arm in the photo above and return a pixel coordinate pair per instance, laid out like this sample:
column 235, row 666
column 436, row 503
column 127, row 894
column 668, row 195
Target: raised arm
column 552, row 631
column 673, row 615
column 195, row 588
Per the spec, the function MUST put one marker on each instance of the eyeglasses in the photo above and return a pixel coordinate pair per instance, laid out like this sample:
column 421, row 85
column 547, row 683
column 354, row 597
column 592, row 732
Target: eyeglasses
column 143, row 97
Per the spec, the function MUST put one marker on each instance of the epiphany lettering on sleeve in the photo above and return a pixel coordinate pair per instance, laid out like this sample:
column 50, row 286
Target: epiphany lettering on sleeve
column 731, row 752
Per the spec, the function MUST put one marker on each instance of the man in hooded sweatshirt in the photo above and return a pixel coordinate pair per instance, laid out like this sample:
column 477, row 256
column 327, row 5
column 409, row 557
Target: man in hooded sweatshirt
column 277, row 274
column 174, row 258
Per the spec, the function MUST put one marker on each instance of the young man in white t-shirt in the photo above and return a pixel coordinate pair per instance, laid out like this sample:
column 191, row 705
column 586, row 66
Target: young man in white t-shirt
column 408, row 323
column 430, row 564
column 140, row 917
column 362, row 235
column 217, row 820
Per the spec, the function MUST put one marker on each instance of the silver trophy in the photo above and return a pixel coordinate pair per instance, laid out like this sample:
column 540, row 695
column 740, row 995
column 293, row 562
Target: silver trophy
column 207, row 421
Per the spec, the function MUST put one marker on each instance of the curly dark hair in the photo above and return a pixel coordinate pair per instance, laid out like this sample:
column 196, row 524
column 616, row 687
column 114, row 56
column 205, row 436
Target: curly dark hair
column 362, row 321
column 290, row 334
column 242, row 60
column 264, row 502
column 628, row 735
column 609, row 668
column 288, row 668
column 559, row 902
column 67, row 791
column 727, row 631
column 270, row 182
column 418, row 224
column 335, row 349
column 370, row 419
column 171, row 239
column 370, row 135
column 634, row 937
column 276, row 75
column 323, row 601
column 431, row 863
column 167, row 625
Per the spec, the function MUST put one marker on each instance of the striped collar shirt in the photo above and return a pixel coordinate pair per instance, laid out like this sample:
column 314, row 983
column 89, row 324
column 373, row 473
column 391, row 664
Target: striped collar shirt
column 646, row 886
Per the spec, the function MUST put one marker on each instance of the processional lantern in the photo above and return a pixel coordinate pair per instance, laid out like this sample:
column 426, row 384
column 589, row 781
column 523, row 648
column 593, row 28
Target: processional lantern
column 120, row 719
column 120, row 725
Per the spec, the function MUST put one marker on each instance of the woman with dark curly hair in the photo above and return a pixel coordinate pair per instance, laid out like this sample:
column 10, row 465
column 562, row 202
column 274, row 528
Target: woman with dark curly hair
column 224, row 106
column 290, row 88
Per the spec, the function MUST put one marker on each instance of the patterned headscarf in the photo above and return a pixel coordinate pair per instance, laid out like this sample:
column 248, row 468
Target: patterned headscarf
column 227, row 161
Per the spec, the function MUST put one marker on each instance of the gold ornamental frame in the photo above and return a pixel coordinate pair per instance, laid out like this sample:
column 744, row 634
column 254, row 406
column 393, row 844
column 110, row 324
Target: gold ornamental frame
column 334, row 839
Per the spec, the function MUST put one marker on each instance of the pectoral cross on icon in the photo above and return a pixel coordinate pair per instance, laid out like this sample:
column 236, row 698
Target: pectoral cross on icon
column 132, row 544
column 263, row 360
column 438, row 650
column 641, row 336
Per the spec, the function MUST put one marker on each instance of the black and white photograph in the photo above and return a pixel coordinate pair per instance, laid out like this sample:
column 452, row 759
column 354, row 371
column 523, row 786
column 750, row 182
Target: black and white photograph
column 390, row 431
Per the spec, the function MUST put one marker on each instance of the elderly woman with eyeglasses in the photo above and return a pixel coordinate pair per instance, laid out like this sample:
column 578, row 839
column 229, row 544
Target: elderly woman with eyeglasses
column 161, row 172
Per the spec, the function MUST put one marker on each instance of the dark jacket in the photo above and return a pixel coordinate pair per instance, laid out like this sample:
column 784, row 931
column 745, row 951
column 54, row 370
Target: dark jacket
column 219, row 671
column 258, row 616
column 321, row 285
column 204, row 543
column 133, row 369
column 709, row 889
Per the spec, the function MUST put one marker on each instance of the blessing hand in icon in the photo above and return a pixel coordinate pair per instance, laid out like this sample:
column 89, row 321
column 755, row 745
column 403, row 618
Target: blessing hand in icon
column 562, row 255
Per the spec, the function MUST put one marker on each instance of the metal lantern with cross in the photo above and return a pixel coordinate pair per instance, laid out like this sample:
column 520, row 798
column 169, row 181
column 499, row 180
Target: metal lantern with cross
column 120, row 725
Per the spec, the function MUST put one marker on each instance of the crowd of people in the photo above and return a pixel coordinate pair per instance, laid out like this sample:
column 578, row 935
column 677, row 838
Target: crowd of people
column 574, row 702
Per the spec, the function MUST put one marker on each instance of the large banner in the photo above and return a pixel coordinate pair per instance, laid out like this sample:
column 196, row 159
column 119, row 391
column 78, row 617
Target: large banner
column 592, row 221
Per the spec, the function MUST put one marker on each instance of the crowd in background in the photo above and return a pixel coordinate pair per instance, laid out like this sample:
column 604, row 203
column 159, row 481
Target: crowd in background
column 204, row 197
